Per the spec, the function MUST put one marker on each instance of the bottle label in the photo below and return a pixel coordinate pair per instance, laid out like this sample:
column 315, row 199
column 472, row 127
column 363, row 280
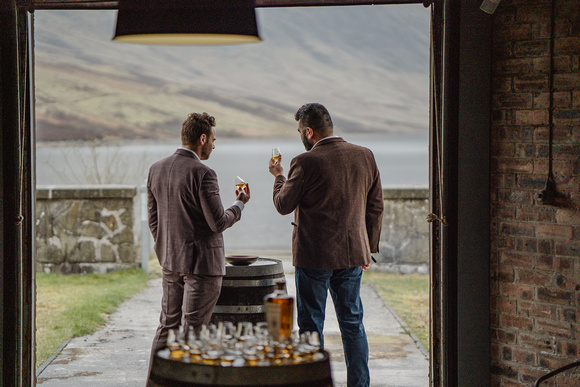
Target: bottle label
column 274, row 319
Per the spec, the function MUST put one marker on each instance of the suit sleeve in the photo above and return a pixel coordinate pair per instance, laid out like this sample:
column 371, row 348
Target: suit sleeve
column 216, row 217
column 374, row 211
column 152, row 210
column 287, row 193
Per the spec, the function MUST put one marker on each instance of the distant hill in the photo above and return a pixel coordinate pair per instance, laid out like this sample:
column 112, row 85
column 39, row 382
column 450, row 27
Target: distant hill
column 368, row 65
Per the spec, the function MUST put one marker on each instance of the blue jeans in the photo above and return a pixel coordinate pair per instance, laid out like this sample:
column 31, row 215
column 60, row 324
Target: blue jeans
column 311, row 291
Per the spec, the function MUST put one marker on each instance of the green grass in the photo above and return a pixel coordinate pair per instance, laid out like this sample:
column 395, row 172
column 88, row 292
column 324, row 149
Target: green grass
column 69, row 306
column 408, row 295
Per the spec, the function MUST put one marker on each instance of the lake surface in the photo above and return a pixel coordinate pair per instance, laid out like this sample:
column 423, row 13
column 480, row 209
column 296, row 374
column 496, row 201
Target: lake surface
column 402, row 160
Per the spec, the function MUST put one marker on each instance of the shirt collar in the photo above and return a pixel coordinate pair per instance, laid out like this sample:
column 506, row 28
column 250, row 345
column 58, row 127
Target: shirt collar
column 322, row 139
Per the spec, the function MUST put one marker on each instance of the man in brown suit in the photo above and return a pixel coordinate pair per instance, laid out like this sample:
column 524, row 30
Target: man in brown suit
column 187, row 218
column 335, row 192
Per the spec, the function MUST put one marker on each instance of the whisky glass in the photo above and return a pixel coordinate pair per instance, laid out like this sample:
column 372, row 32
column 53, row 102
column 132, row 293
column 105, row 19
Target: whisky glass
column 240, row 184
column 245, row 331
column 175, row 349
column 276, row 155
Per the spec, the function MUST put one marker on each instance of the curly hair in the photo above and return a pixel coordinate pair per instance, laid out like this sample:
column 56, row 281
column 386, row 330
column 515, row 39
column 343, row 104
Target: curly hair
column 194, row 126
column 315, row 116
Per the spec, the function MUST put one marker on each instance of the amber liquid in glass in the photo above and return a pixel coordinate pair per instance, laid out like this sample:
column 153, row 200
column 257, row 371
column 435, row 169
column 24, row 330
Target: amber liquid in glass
column 176, row 351
column 276, row 158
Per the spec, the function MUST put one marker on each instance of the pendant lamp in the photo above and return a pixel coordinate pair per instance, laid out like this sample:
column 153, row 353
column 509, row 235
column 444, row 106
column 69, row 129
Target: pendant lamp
column 183, row 22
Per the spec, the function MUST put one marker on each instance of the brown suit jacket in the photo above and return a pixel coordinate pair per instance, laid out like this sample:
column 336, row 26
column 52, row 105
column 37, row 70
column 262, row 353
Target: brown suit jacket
column 336, row 195
column 186, row 215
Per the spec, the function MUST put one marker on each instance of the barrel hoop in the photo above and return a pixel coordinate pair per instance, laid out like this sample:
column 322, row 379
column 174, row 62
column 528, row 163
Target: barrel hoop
column 248, row 283
column 237, row 309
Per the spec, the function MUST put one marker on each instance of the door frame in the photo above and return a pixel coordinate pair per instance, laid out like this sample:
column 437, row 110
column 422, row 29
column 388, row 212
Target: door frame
column 459, row 188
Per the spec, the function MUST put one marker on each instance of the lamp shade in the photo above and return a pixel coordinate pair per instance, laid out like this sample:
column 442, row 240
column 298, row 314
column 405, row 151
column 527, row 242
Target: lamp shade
column 182, row 22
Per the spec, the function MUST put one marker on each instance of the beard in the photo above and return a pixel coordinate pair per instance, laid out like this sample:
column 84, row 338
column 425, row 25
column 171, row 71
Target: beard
column 206, row 151
column 307, row 145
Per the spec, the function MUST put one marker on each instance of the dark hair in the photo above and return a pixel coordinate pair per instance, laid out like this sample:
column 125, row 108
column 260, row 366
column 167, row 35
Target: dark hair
column 315, row 116
column 194, row 126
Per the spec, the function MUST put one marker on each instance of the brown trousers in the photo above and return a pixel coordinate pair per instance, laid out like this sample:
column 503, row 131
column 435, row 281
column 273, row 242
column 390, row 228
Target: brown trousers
column 188, row 299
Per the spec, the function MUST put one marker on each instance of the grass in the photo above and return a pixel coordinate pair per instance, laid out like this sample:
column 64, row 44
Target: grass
column 69, row 306
column 408, row 295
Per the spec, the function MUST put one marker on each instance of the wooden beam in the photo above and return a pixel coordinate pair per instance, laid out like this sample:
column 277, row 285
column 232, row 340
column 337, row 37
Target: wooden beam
column 16, row 202
column 104, row 4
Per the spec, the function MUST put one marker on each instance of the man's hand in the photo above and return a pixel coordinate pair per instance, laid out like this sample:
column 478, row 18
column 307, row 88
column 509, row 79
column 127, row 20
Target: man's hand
column 275, row 167
column 243, row 195
column 366, row 267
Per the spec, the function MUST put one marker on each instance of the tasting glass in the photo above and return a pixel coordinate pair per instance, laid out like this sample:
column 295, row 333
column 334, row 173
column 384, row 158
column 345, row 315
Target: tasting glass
column 176, row 351
column 245, row 331
column 227, row 331
column 276, row 155
column 240, row 184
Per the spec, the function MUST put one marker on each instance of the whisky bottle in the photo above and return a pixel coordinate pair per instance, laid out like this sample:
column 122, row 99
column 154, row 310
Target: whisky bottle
column 279, row 313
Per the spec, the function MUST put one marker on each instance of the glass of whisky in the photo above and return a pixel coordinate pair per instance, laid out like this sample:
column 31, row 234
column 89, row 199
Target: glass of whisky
column 240, row 184
column 175, row 348
column 276, row 155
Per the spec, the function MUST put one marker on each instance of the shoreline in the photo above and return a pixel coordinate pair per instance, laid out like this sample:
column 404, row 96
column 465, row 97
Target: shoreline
column 349, row 136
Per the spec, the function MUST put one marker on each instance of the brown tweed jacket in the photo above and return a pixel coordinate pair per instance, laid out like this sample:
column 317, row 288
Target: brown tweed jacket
column 336, row 195
column 186, row 215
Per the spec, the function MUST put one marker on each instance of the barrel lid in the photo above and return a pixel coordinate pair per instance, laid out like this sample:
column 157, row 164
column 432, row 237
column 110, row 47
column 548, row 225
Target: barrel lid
column 263, row 266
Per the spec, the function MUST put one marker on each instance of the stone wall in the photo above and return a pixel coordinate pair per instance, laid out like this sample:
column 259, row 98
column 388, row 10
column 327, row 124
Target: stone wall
column 86, row 229
column 97, row 229
column 404, row 245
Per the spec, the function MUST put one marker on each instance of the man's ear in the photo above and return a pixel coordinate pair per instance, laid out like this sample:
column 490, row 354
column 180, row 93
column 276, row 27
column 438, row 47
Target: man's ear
column 309, row 132
column 202, row 139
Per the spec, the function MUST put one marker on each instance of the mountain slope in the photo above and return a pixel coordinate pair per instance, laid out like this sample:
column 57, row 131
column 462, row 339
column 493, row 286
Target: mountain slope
column 368, row 65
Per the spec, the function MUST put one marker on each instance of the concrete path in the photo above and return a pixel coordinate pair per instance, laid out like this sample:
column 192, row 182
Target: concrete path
column 118, row 353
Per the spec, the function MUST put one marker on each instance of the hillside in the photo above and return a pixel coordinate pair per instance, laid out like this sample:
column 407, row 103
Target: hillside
column 368, row 65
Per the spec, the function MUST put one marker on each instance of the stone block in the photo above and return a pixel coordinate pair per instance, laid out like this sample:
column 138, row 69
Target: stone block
column 44, row 224
column 66, row 217
column 127, row 253
column 90, row 211
column 90, row 229
column 68, row 241
column 83, row 251
column 125, row 236
column 108, row 253
column 49, row 251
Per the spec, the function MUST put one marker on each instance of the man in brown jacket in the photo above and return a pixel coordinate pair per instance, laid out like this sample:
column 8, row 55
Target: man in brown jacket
column 335, row 192
column 187, row 218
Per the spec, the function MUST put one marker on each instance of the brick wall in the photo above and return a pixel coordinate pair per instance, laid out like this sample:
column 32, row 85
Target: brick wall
column 535, row 258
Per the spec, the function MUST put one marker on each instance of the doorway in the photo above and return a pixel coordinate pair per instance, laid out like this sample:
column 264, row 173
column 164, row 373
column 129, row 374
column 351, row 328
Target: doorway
column 17, row 237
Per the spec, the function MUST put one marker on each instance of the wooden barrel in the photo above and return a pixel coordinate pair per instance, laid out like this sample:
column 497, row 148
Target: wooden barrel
column 244, row 288
column 165, row 372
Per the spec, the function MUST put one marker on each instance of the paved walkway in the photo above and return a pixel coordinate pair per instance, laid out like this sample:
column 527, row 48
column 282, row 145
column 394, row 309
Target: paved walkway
column 118, row 353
